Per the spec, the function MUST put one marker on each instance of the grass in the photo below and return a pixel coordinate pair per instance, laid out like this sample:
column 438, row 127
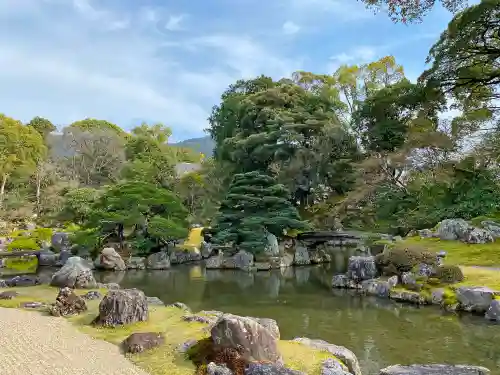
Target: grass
column 167, row 320
column 460, row 253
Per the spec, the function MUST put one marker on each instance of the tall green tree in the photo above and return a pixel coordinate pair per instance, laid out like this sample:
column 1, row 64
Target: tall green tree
column 254, row 205
column 42, row 126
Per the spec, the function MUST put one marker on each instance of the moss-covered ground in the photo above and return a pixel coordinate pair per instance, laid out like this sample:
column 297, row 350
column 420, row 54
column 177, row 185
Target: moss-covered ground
column 166, row 359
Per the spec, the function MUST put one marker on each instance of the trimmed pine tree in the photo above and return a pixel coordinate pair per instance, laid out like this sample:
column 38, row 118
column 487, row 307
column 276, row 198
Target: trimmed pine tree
column 255, row 204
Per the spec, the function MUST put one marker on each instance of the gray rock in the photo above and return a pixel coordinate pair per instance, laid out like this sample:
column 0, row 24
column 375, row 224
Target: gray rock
column 426, row 233
column 110, row 286
column 243, row 260
column 215, row 262
column 408, row 278
column 110, row 260
column 340, row 352
column 286, row 260
column 206, row 249
column 492, row 227
column 475, row 299
column 142, row 341
column 270, row 324
column 155, row 301
column 47, row 258
column 331, row 366
column 63, row 257
column 407, row 296
column 452, row 229
column 60, row 241
column 478, row 236
column 23, row 281
column 33, row 305
column 213, row 369
column 493, row 312
column 374, row 287
column 342, row 281
column 320, row 256
column 184, row 256
column 256, row 341
column 8, row 294
column 301, row 256
column 93, row 294
column 272, row 248
column 437, row 296
column 136, row 263
column 158, row 261
column 180, row 305
column 425, row 270
column 270, row 369
column 120, row 307
column 74, row 274
column 434, row 369
column 361, row 268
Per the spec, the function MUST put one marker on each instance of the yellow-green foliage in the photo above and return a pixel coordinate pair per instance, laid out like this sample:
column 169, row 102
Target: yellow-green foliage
column 449, row 273
column 22, row 264
column 460, row 253
column 166, row 358
column 23, row 243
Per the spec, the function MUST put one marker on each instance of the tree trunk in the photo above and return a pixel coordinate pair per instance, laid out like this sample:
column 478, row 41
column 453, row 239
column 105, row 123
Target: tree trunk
column 2, row 190
column 38, row 183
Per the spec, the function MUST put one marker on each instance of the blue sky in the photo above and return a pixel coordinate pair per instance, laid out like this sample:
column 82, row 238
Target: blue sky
column 169, row 61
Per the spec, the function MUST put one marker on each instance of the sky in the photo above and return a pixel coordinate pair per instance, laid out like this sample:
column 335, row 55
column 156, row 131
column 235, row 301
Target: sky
column 129, row 61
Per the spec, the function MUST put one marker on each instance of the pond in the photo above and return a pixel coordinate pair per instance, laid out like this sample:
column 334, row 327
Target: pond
column 380, row 332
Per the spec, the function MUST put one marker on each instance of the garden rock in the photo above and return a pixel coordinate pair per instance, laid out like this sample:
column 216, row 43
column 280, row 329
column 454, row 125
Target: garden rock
column 340, row 352
column 425, row 233
column 123, row 306
column 361, row 268
column 9, row 294
column 47, row 258
column 270, row 369
column 434, row 369
column 184, row 256
column 437, row 296
column 331, row 366
column 110, row 286
column 60, row 241
column 206, row 249
column 301, row 256
column 215, row 262
column 407, row 296
column 136, row 263
column 154, row 301
column 493, row 312
column 67, row 303
column 214, row 369
column 475, row 299
column 158, row 261
column 63, row 257
column 320, row 256
column 110, row 260
column 478, row 236
column 243, row 260
column 141, row 341
column 257, row 342
column 342, row 281
column 492, row 227
column 452, row 229
column 272, row 248
column 74, row 274
column 379, row 288
column 92, row 295
column 23, row 281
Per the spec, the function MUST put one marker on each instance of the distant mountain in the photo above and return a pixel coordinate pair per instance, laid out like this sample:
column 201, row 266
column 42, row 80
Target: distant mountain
column 205, row 145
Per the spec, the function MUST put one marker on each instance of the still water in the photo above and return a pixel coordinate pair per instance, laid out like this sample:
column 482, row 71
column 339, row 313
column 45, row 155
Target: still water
column 380, row 332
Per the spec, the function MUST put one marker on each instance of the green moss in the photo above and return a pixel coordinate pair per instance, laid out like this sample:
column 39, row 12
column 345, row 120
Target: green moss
column 167, row 320
column 449, row 273
column 23, row 243
column 449, row 297
column 460, row 253
column 21, row 264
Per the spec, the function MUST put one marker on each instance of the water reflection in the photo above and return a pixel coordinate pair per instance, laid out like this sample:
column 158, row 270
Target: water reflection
column 379, row 331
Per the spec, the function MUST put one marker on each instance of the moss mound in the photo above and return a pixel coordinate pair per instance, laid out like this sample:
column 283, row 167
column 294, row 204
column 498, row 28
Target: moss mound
column 449, row 274
column 399, row 259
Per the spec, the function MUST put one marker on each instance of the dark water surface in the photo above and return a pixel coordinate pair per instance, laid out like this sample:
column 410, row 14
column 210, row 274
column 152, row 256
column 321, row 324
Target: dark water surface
column 380, row 332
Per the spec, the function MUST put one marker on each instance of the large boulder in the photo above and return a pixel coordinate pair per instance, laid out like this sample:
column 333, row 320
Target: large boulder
column 158, row 261
column 123, row 306
column 434, row 369
column 215, row 262
column 110, row 260
column 272, row 248
column 180, row 256
column 206, row 249
column 47, row 258
column 452, row 229
column 63, row 257
column 68, row 303
column 360, row 268
column 340, row 352
column 257, row 342
column 493, row 312
column 493, row 227
column 477, row 236
column 243, row 260
column 74, row 274
column 475, row 299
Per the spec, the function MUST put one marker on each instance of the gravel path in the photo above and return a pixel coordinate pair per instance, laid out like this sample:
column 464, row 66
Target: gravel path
column 33, row 344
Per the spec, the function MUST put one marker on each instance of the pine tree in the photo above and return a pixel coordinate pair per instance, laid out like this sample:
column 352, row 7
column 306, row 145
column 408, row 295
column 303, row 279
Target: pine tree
column 254, row 205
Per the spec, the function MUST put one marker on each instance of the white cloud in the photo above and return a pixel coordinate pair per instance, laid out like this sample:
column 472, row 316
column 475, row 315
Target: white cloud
column 290, row 28
column 343, row 10
column 358, row 55
column 115, row 64
column 174, row 22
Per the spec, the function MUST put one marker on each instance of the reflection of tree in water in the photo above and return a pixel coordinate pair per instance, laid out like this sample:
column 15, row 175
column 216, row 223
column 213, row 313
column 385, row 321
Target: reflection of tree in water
column 110, row 276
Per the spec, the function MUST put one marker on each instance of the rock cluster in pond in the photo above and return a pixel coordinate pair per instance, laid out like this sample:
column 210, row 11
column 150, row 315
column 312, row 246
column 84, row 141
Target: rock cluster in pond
column 363, row 276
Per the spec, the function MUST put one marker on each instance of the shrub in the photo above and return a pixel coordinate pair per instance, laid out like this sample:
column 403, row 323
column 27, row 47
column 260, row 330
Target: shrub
column 449, row 274
column 397, row 260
